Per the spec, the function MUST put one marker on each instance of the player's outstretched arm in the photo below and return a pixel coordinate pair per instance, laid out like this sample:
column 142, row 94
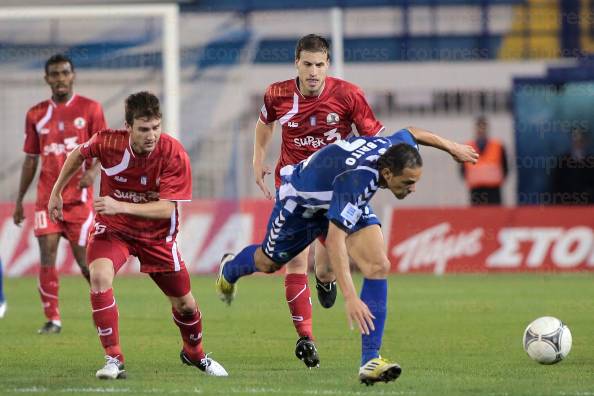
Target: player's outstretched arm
column 73, row 163
column 262, row 137
column 460, row 152
column 357, row 311
column 27, row 174
column 161, row 209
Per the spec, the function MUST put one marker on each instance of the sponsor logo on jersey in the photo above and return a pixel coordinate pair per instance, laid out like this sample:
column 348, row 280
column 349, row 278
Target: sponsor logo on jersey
column 312, row 121
column 136, row 197
column 309, row 141
column 61, row 126
column 44, row 131
column 292, row 124
column 59, row 148
column 121, row 179
column 80, row 122
column 143, row 180
column 332, row 119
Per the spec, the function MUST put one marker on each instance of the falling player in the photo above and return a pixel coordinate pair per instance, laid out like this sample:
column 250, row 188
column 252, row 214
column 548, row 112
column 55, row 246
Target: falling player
column 328, row 195
column 53, row 128
column 144, row 174
column 313, row 110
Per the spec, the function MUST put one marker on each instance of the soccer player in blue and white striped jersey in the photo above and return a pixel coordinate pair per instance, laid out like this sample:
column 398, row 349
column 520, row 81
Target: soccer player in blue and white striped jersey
column 328, row 195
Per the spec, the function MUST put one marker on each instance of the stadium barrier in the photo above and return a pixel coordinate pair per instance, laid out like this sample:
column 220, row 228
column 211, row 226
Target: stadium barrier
column 456, row 240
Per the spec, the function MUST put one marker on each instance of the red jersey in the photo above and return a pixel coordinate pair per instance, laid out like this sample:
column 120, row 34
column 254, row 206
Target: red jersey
column 164, row 173
column 311, row 122
column 52, row 130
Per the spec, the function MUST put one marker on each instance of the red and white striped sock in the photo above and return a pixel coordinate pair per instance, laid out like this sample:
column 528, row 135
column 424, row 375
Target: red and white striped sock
column 105, row 316
column 48, row 291
column 190, row 328
column 299, row 299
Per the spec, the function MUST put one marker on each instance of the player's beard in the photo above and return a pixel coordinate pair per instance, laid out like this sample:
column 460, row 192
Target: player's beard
column 61, row 95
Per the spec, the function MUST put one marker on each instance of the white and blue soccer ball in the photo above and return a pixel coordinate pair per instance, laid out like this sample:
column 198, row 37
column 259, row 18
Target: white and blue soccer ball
column 547, row 340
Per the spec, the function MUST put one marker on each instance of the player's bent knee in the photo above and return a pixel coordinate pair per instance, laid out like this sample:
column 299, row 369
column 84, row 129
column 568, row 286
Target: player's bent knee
column 268, row 266
column 185, row 304
column 297, row 265
column 101, row 274
column 264, row 263
column 376, row 269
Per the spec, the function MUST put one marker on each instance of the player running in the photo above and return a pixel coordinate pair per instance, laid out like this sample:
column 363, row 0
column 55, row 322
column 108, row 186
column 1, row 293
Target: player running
column 313, row 110
column 144, row 174
column 53, row 128
column 328, row 195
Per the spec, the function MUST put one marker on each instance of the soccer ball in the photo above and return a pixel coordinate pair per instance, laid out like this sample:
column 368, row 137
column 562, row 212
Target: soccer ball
column 547, row 340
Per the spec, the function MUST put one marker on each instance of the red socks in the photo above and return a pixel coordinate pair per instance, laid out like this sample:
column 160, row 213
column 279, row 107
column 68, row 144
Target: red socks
column 299, row 300
column 190, row 327
column 48, row 291
column 105, row 316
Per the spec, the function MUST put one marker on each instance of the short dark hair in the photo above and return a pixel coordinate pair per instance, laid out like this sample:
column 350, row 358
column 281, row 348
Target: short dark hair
column 312, row 43
column 58, row 58
column 399, row 157
column 142, row 105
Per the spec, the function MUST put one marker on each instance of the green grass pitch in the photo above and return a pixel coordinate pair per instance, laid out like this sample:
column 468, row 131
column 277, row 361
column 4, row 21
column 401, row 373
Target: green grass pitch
column 453, row 335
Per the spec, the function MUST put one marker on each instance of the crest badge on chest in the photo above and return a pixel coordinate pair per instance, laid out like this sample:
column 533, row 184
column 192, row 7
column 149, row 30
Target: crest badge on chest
column 80, row 123
column 332, row 119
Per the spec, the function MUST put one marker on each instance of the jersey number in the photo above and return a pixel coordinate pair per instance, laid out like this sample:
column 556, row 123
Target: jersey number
column 350, row 146
column 40, row 219
column 332, row 134
column 343, row 144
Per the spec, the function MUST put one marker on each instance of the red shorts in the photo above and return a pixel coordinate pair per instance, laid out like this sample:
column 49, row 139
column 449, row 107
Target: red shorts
column 75, row 226
column 162, row 261
column 154, row 257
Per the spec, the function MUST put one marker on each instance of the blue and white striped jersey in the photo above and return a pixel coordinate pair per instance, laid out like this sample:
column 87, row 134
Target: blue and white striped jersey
column 340, row 179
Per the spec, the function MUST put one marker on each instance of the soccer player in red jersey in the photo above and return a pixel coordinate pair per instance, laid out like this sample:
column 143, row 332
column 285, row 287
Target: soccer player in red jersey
column 313, row 110
column 53, row 128
column 144, row 174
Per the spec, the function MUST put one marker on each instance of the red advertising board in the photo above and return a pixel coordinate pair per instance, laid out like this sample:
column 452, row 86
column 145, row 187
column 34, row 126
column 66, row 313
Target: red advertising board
column 420, row 240
column 208, row 229
column 492, row 239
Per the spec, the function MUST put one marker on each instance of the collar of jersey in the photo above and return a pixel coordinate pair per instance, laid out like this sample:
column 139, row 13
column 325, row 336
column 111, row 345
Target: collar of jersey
column 133, row 154
column 55, row 105
column 309, row 97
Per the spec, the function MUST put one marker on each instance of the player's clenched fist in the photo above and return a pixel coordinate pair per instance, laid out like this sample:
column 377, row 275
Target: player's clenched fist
column 107, row 205
column 464, row 153
column 54, row 208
